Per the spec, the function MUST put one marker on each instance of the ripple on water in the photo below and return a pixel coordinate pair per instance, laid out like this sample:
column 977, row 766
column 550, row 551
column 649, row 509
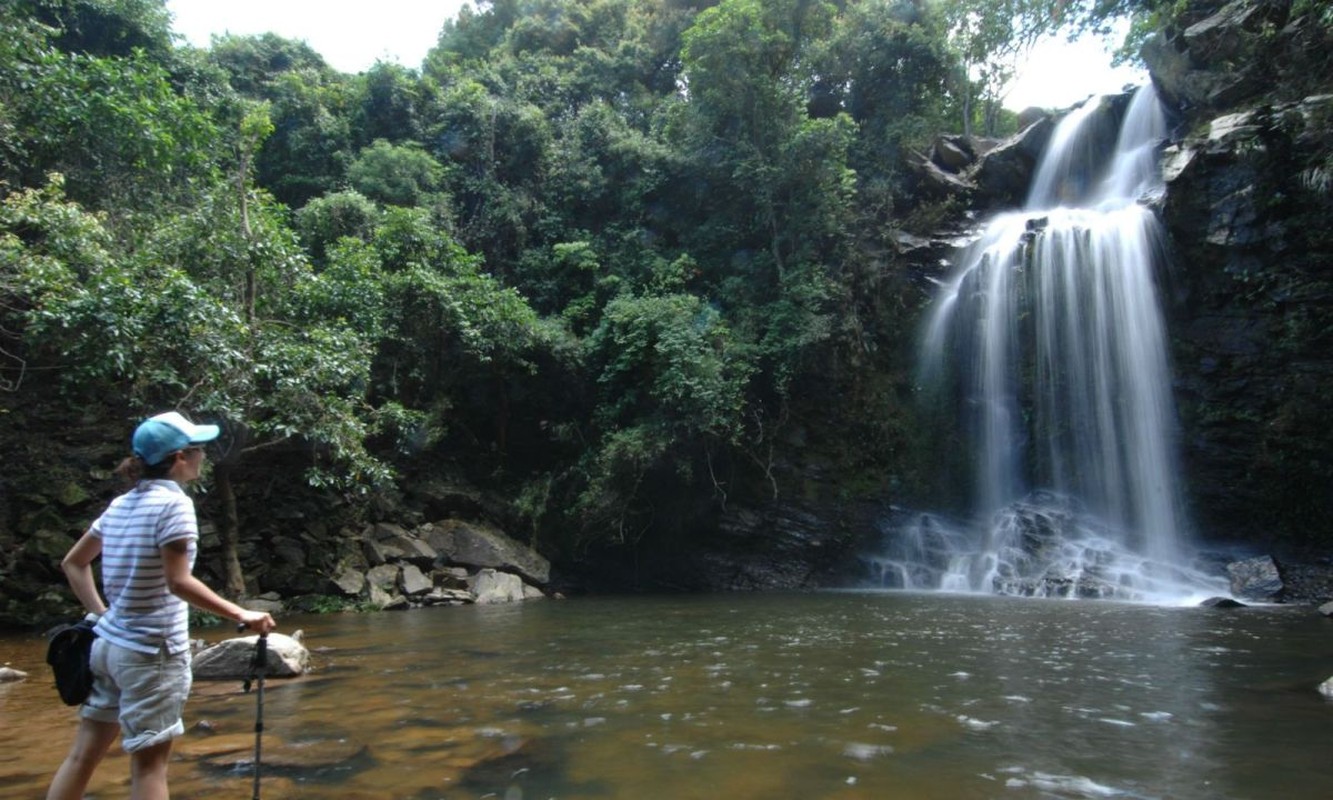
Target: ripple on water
column 1064, row 785
column 861, row 751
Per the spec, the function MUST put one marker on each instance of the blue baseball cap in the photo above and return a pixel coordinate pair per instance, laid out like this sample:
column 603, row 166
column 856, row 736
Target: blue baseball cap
column 160, row 436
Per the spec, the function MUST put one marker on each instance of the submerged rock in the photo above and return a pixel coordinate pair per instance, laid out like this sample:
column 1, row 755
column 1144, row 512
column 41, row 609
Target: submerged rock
column 1222, row 602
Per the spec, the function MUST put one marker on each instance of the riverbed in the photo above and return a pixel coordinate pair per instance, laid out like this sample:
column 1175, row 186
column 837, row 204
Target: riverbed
column 818, row 696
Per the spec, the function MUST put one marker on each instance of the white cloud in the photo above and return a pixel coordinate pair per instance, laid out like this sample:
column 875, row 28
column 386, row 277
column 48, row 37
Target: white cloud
column 1058, row 73
column 350, row 34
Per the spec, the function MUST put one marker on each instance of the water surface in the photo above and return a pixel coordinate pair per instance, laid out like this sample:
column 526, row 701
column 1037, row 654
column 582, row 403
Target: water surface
column 822, row 695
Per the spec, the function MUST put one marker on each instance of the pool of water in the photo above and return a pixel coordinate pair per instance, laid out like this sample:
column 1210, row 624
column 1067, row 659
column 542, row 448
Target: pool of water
column 818, row 695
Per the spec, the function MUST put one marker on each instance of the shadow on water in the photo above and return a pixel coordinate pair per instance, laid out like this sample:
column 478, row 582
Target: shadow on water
column 833, row 695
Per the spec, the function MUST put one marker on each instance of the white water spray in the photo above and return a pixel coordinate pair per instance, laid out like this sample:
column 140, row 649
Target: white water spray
column 1051, row 345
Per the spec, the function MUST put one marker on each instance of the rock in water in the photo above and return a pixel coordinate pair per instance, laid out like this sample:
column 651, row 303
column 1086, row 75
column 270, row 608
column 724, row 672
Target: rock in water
column 1255, row 579
column 230, row 659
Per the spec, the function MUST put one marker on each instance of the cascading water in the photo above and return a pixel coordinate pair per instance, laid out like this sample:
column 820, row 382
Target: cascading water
column 1050, row 348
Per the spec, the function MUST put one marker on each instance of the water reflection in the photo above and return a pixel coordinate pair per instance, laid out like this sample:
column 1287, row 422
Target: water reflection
column 832, row 695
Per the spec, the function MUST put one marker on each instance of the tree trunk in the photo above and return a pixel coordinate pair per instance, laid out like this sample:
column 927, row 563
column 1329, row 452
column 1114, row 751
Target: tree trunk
column 229, row 533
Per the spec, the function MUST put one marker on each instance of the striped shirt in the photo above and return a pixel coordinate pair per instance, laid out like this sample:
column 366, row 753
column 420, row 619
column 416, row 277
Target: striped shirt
column 143, row 614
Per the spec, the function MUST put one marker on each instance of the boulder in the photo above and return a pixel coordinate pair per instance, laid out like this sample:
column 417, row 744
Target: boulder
column 478, row 545
column 953, row 153
column 230, row 659
column 936, row 183
column 396, row 544
column 1221, row 602
column 1255, row 579
column 384, row 577
column 378, row 597
column 413, row 582
column 440, row 596
column 264, row 604
column 493, row 586
column 348, row 582
column 1002, row 176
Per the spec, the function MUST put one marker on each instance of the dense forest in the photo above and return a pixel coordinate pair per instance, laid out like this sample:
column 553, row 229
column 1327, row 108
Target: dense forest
column 610, row 261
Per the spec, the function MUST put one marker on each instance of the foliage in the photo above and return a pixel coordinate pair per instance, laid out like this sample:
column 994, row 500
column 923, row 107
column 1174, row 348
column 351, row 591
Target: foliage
column 592, row 252
column 325, row 220
column 102, row 28
column 400, row 175
column 116, row 127
column 670, row 381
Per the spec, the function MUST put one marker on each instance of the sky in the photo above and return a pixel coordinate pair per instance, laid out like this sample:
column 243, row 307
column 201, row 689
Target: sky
column 352, row 35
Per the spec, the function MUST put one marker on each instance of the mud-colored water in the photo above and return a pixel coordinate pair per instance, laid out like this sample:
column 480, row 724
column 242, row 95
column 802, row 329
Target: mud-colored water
column 749, row 697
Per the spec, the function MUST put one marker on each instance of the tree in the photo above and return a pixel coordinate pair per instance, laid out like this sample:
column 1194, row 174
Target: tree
column 104, row 28
column 671, row 385
column 325, row 220
column 988, row 39
column 771, row 184
column 887, row 66
column 307, row 153
column 400, row 175
column 117, row 128
column 388, row 103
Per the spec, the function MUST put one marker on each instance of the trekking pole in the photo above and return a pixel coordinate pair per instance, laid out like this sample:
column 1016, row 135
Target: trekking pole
column 258, row 664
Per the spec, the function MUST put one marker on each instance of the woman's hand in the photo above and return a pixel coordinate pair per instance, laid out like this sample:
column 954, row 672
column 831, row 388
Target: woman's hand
column 258, row 621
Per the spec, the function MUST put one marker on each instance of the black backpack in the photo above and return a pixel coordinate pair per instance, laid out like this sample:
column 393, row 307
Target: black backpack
column 68, row 650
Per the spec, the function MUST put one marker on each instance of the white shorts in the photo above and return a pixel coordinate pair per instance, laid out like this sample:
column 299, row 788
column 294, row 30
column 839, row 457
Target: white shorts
column 144, row 693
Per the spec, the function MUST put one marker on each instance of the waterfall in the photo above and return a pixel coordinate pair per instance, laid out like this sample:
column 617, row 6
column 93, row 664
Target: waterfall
column 1048, row 349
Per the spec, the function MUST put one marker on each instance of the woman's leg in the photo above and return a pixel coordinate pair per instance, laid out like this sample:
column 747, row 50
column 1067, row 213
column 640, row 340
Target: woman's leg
column 91, row 742
column 148, row 772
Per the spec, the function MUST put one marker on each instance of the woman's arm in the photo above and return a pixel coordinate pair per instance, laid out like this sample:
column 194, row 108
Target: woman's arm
column 183, row 584
column 78, row 568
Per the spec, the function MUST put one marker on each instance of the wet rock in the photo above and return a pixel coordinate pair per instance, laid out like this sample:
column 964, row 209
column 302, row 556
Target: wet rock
column 235, row 751
column 1002, row 175
column 1326, row 688
column 1221, row 602
column 1255, row 579
column 1327, row 609
column 397, row 603
column 230, row 659
column 493, row 586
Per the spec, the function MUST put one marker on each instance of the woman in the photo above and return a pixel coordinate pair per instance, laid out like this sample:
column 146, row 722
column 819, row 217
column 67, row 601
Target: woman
column 147, row 539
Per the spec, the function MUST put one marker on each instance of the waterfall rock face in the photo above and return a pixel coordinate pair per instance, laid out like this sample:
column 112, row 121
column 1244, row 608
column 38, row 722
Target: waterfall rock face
column 1249, row 196
column 1048, row 350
